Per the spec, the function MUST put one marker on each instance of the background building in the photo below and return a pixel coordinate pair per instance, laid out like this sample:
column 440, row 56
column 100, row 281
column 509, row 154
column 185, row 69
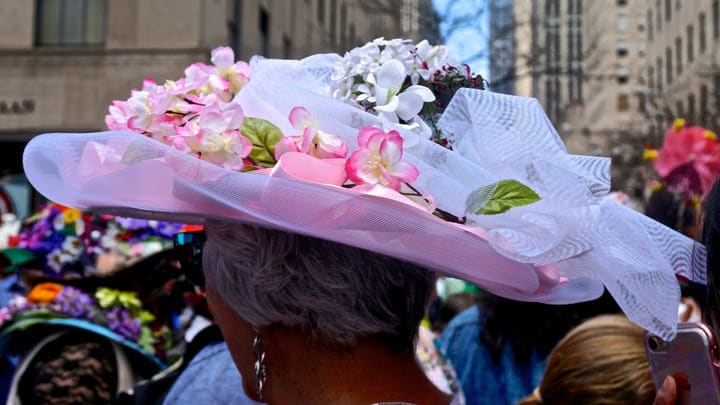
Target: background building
column 502, row 46
column 613, row 75
column 683, row 63
column 63, row 62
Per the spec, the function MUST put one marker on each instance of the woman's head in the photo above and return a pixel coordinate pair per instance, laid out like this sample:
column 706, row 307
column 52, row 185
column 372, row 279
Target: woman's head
column 711, row 240
column 336, row 293
column 602, row 361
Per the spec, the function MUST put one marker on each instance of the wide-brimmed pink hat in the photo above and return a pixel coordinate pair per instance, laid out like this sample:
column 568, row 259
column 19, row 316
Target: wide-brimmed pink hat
column 506, row 207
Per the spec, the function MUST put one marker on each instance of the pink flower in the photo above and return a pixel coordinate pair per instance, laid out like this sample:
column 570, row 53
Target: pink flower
column 689, row 160
column 378, row 160
column 312, row 141
column 225, row 78
column 214, row 136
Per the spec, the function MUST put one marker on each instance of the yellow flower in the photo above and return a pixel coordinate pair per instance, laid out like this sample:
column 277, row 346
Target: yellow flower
column 710, row 135
column 650, row 154
column 44, row 292
column 696, row 202
column 678, row 124
column 657, row 186
column 71, row 215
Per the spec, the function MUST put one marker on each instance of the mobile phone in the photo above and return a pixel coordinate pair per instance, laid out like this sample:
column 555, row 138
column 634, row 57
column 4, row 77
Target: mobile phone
column 693, row 358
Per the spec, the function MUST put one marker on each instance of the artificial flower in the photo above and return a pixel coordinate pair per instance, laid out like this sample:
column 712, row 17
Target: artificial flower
column 312, row 141
column 378, row 160
column 44, row 292
column 689, row 160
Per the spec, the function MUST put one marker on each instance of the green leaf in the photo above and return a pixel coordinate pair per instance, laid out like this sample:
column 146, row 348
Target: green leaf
column 264, row 136
column 27, row 319
column 18, row 256
column 500, row 197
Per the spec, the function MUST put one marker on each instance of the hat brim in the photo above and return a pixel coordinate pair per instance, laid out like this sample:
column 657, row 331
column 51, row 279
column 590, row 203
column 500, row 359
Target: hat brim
column 92, row 171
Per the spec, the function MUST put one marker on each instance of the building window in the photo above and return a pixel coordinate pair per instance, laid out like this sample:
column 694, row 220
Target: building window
column 264, row 24
column 622, row 22
column 642, row 48
column 716, row 19
column 651, row 78
column 70, row 22
column 650, row 25
column 658, row 71
column 321, row 11
column 287, row 47
column 691, row 107
column 623, row 102
column 333, row 21
column 668, row 65
column 701, row 29
column 659, row 15
column 623, row 74
column 703, row 104
column 621, row 48
column 668, row 10
column 622, row 2
column 690, row 43
column 678, row 55
column 343, row 24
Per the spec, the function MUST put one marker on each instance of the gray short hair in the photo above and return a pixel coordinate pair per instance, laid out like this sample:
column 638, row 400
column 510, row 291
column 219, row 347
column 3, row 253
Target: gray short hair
column 336, row 292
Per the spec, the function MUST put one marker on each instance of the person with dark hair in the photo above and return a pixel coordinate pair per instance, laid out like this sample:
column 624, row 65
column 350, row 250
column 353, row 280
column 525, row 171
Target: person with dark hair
column 711, row 239
column 508, row 342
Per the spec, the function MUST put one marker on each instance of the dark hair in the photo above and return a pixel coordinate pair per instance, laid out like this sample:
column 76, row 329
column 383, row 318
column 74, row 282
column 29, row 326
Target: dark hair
column 711, row 239
column 453, row 305
column 672, row 210
column 533, row 327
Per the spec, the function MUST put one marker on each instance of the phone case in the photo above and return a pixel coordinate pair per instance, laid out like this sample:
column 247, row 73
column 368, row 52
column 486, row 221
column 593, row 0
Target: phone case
column 693, row 358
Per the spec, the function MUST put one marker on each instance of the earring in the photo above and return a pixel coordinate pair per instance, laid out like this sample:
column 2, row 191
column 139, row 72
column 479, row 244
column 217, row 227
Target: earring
column 259, row 352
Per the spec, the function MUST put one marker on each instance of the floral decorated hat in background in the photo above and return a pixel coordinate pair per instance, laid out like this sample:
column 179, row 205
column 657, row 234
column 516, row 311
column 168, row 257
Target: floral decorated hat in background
column 66, row 243
column 393, row 148
column 69, row 264
column 688, row 162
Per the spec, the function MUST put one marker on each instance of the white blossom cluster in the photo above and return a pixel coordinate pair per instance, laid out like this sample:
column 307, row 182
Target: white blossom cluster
column 375, row 75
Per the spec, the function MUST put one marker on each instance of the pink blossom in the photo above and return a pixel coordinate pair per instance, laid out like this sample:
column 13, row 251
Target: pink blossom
column 312, row 141
column 378, row 160
column 214, row 136
column 225, row 78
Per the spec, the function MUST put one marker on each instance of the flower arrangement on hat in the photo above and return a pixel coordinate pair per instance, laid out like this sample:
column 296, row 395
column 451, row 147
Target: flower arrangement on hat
column 394, row 79
column 66, row 243
column 391, row 148
column 121, row 312
column 688, row 162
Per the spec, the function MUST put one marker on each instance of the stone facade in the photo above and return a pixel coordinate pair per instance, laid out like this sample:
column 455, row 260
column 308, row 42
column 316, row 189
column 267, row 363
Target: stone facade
column 687, row 84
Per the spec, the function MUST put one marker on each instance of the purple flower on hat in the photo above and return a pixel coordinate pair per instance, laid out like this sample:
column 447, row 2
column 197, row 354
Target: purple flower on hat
column 73, row 303
column 121, row 322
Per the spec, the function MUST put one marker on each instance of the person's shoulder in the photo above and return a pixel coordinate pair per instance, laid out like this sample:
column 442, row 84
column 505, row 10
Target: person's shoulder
column 469, row 317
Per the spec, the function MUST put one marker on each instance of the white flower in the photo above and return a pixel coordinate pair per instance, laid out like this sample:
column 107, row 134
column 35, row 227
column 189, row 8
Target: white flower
column 57, row 259
column 390, row 102
column 72, row 245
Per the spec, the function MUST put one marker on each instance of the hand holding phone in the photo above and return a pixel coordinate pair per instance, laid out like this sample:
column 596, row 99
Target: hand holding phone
column 692, row 358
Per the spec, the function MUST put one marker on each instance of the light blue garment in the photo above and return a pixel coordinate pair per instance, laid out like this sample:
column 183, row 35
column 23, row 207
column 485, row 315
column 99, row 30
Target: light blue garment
column 210, row 378
column 483, row 380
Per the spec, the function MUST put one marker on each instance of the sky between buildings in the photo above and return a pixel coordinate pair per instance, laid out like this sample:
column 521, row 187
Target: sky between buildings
column 467, row 42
